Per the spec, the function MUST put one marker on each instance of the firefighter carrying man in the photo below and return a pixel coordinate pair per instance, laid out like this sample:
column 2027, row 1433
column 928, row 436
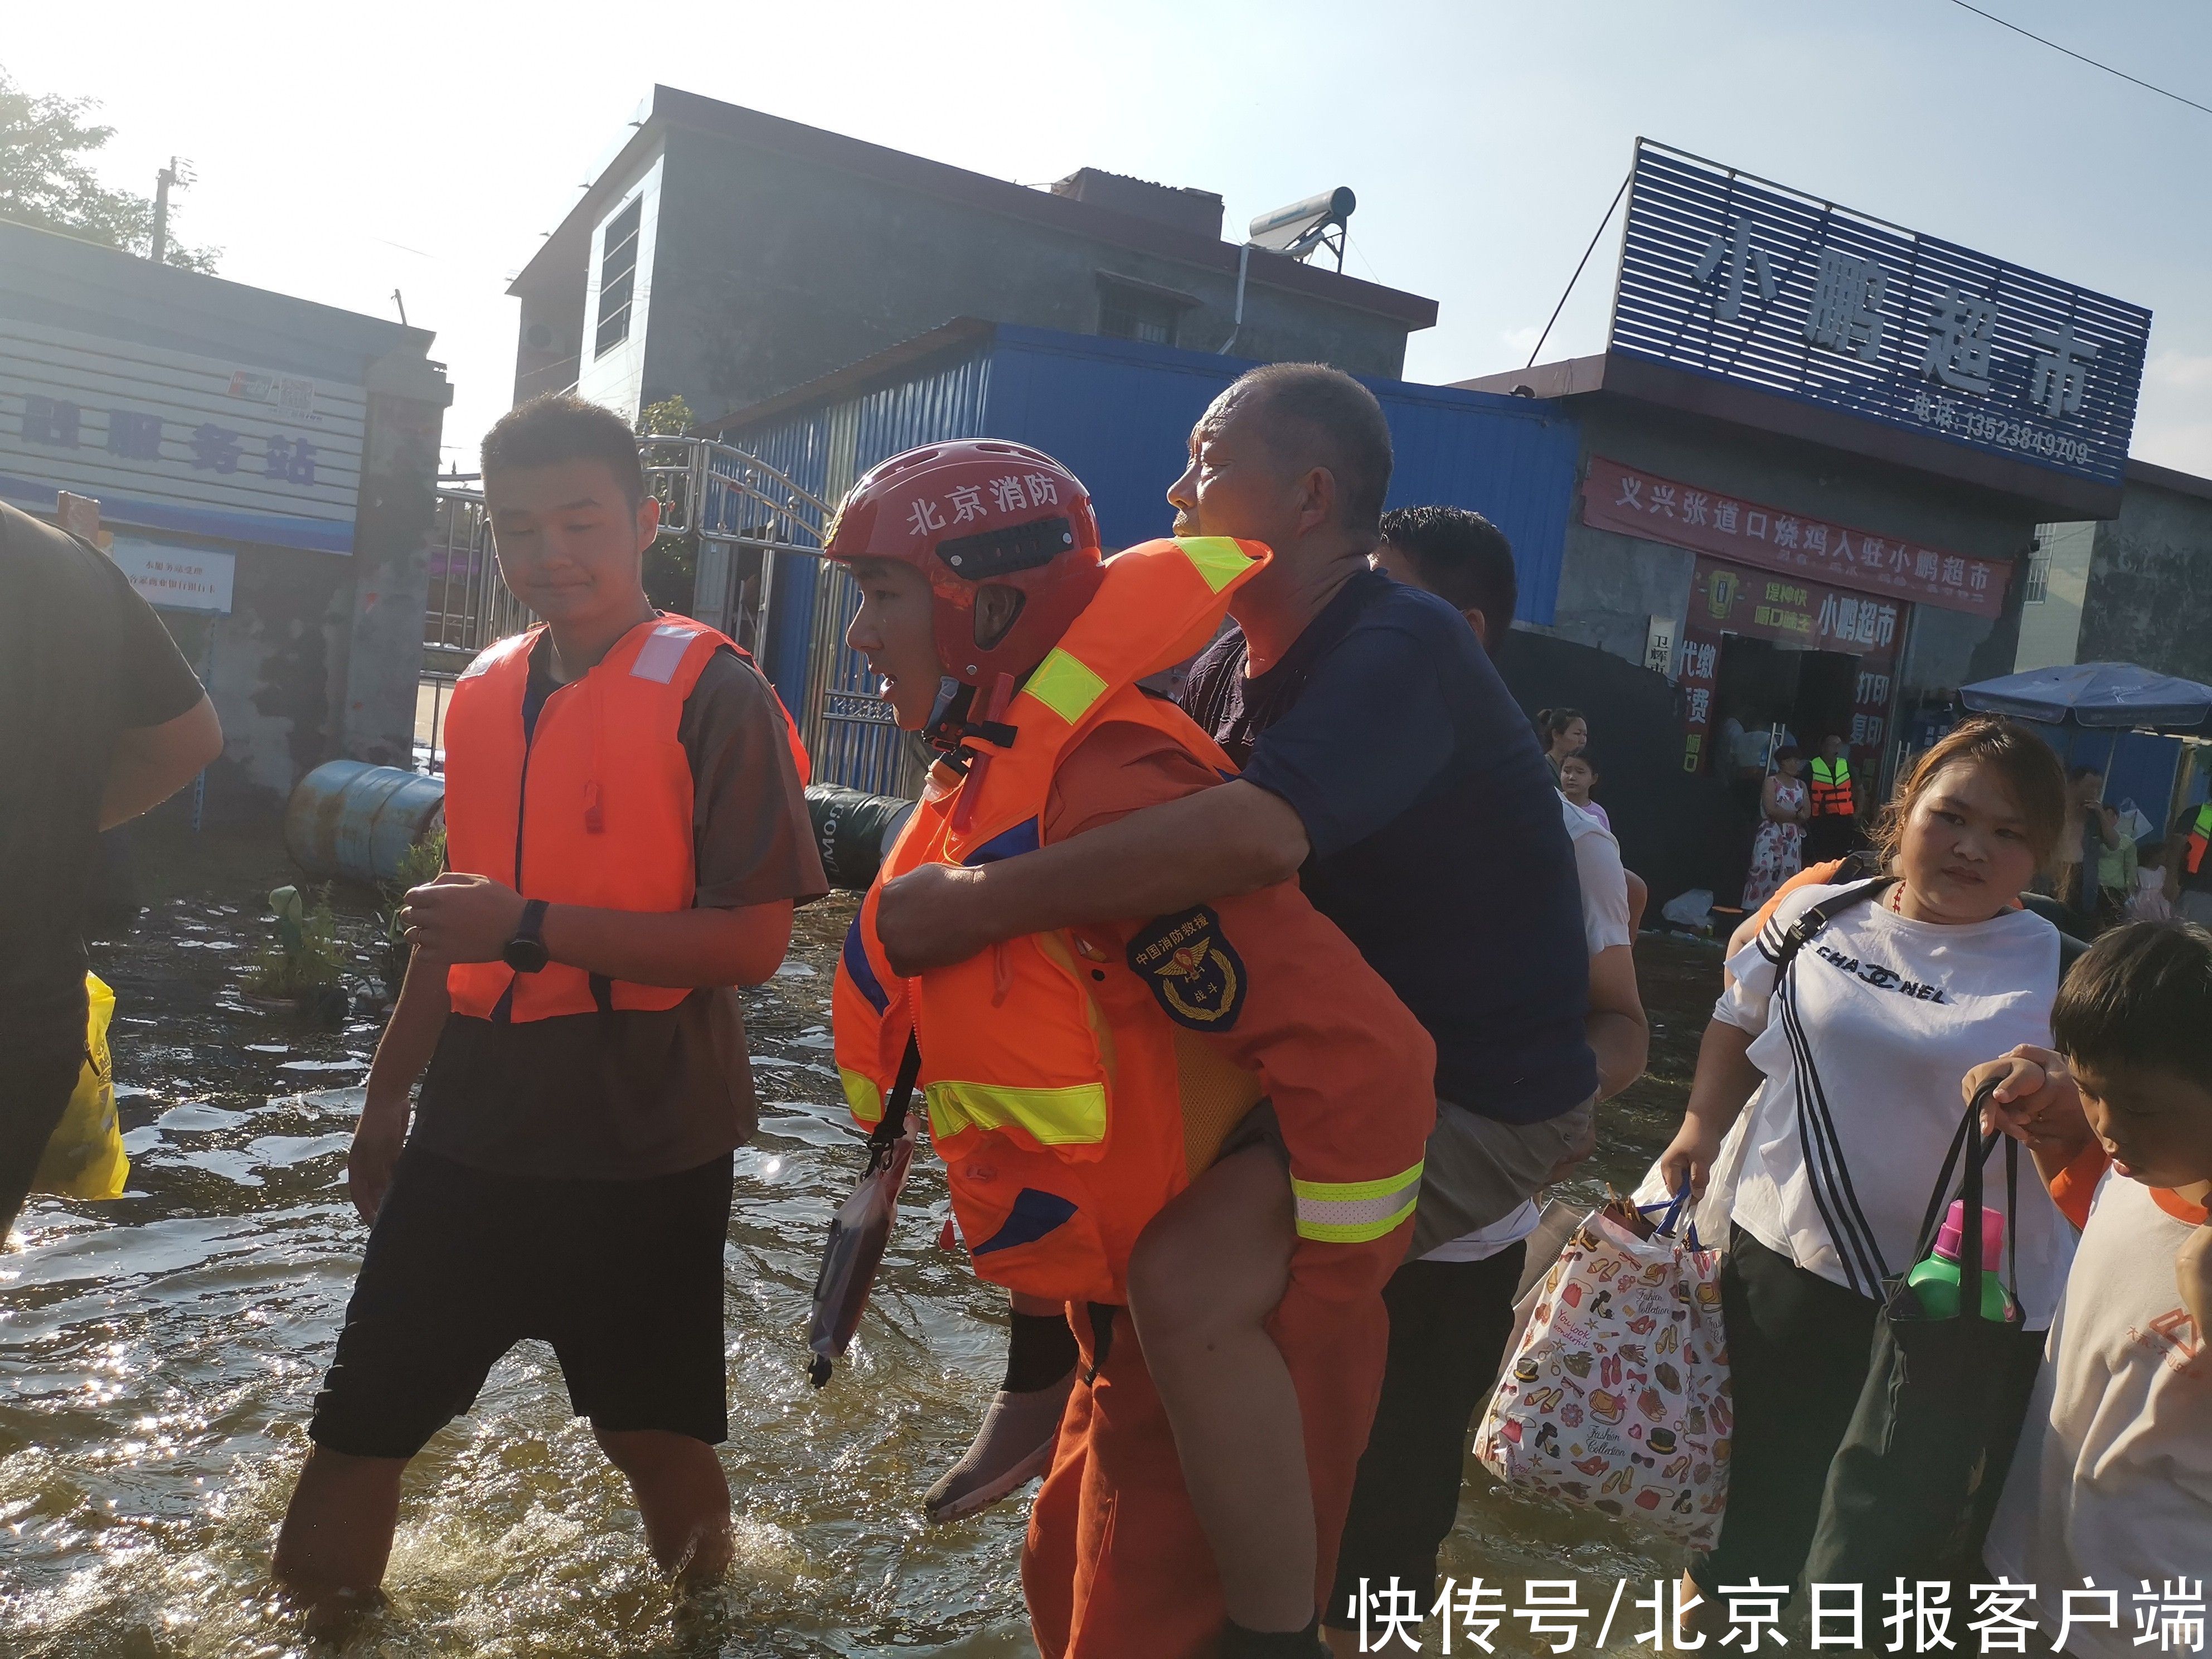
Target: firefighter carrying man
column 1235, row 1074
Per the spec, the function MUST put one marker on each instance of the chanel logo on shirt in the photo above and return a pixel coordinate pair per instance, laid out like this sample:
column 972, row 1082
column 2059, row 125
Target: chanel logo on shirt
column 1881, row 978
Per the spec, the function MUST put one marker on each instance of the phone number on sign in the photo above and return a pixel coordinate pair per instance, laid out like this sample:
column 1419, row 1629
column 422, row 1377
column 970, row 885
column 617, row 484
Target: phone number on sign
column 1963, row 421
column 1916, row 1617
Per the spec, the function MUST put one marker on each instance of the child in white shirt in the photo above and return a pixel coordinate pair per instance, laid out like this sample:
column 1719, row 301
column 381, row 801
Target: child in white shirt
column 2111, row 1487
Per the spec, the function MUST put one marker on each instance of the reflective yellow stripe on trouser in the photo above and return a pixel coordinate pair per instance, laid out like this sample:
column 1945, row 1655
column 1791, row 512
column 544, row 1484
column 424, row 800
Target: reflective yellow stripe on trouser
column 862, row 1096
column 1072, row 1116
column 1354, row 1212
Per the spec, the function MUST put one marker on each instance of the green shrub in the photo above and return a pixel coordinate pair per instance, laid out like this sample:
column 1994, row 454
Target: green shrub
column 306, row 954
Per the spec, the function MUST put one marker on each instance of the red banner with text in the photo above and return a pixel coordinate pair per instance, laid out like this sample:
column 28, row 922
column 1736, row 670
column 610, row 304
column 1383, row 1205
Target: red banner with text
column 1633, row 503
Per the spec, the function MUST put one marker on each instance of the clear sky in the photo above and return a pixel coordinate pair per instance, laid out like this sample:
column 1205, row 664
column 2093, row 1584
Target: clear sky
column 344, row 151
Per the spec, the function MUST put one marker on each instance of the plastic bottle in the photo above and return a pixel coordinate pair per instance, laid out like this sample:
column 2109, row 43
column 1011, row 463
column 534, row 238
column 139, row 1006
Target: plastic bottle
column 1935, row 1281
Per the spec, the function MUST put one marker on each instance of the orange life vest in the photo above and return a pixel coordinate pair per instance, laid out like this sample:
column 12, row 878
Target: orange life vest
column 1832, row 789
column 593, row 808
column 2200, row 835
column 1053, row 1080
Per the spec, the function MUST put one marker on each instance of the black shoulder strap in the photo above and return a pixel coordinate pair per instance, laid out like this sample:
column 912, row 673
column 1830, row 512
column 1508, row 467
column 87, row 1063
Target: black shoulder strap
column 1850, row 1233
column 892, row 1124
column 1819, row 915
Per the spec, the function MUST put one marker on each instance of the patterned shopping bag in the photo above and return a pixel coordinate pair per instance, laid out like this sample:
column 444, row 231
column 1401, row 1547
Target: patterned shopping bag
column 1617, row 1397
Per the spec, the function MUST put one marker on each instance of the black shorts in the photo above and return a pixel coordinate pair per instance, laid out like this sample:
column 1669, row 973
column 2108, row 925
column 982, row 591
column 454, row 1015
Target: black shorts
column 623, row 1278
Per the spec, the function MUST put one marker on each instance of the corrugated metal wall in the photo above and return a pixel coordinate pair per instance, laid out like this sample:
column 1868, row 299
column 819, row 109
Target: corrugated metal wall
column 1119, row 414
column 826, row 684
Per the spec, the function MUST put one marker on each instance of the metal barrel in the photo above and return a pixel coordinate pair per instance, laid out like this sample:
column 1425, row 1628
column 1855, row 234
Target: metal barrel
column 349, row 818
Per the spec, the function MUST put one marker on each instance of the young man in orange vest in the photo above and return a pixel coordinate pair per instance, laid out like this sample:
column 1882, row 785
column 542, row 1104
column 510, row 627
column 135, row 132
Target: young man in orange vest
column 627, row 835
column 1093, row 1090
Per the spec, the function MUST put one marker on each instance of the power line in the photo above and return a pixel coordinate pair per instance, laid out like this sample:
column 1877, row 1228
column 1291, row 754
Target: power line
column 2078, row 57
column 1577, row 276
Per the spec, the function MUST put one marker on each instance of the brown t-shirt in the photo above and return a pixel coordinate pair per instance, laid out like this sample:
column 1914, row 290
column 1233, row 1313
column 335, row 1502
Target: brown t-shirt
column 637, row 1093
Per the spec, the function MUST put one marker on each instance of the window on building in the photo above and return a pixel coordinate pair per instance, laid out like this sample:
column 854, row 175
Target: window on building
column 617, row 277
column 2038, row 587
column 1130, row 314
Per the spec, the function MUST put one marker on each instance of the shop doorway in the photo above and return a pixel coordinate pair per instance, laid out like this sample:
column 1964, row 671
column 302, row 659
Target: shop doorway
column 1760, row 684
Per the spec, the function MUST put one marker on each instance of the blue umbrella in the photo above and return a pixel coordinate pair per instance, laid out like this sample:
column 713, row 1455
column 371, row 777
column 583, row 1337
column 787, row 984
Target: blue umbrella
column 2095, row 693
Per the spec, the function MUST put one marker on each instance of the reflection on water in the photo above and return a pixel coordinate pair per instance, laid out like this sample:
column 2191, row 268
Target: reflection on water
column 160, row 1353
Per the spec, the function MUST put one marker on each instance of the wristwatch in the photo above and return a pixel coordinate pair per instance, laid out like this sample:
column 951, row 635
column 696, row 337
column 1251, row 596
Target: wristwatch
column 525, row 951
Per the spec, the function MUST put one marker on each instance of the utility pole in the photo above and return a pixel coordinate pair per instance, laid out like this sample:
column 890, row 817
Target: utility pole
column 162, row 180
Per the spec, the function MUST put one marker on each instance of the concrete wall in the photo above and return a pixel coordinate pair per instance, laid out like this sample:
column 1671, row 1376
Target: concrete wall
column 773, row 270
column 2148, row 600
column 1610, row 585
column 2050, row 627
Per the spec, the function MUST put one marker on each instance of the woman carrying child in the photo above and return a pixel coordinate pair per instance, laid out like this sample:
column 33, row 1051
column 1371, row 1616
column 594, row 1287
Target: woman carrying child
column 1849, row 1064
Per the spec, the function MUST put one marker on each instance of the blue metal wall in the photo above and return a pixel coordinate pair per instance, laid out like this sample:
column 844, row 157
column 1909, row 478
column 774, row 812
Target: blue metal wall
column 1119, row 414
column 943, row 399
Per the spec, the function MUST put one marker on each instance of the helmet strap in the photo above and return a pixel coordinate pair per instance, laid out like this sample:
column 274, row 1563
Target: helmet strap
column 948, row 715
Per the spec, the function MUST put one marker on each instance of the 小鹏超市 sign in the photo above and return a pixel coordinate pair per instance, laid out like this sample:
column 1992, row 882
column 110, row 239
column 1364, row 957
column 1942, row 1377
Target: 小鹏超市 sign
column 1763, row 286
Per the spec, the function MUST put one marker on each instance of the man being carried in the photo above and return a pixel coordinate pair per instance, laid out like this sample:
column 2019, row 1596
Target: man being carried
column 1095, row 1090
column 1383, row 758
column 627, row 835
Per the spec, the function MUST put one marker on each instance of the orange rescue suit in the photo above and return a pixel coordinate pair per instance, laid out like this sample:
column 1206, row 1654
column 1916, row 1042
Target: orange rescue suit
column 592, row 808
column 1051, row 1066
column 1074, row 1082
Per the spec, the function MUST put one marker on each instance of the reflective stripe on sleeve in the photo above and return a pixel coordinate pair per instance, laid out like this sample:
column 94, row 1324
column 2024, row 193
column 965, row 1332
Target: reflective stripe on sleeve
column 1354, row 1212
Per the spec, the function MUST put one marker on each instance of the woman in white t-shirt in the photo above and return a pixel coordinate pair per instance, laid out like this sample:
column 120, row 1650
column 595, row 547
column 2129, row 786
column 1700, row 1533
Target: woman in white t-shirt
column 1851, row 1068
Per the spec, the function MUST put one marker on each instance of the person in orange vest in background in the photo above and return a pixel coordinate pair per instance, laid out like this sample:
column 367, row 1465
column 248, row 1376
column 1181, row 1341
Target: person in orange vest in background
column 1833, row 829
column 1228, row 1085
column 627, row 835
column 2188, row 867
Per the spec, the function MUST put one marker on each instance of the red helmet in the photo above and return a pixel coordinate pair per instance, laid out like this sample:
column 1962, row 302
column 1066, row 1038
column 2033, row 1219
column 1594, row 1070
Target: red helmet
column 973, row 512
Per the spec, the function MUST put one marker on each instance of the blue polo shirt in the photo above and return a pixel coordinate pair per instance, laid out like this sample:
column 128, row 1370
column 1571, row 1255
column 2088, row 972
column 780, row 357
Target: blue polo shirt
column 1437, row 841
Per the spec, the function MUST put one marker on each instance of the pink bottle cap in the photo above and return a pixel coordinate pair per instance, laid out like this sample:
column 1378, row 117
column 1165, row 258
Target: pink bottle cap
column 1952, row 1235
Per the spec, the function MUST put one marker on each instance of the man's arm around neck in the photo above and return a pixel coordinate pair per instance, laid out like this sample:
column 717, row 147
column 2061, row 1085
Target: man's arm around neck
column 1234, row 839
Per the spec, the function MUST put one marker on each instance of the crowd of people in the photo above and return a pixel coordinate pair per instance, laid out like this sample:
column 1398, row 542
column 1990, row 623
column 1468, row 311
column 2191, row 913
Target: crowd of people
column 1249, row 1026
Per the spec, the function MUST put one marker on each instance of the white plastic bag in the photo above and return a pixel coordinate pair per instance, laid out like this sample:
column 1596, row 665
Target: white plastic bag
column 1617, row 1399
column 1707, row 1218
column 1692, row 909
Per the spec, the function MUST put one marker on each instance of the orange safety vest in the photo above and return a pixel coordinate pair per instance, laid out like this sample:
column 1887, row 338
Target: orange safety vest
column 1831, row 791
column 593, row 808
column 2200, row 835
column 1054, row 1079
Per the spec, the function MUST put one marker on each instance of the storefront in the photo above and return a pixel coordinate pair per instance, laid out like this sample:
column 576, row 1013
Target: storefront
column 1814, row 458
column 263, row 469
column 1796, row 625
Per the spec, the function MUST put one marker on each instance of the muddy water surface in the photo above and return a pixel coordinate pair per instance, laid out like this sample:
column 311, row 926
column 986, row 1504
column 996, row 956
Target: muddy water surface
column 158, row 1356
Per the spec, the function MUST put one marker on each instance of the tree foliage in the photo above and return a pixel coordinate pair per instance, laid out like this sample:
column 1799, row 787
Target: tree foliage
column 46, row 180
column 671, row 417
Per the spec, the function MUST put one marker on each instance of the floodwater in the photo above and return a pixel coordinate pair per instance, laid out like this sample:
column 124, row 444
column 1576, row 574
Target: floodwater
column 158, row 1356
